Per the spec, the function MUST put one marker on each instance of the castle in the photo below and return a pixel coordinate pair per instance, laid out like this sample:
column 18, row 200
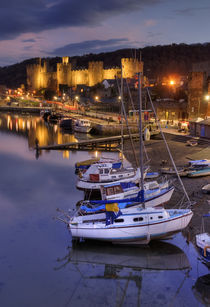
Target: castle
column 42, row 76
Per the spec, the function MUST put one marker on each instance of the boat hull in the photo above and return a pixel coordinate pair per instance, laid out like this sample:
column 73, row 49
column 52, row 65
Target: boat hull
column 92, row 185
column 129, row 232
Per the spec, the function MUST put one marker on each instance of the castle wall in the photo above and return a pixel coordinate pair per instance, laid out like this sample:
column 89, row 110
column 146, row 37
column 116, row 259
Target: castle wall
column 111, row 73
column 79, row 77
column 41, row 76
column 130, row 67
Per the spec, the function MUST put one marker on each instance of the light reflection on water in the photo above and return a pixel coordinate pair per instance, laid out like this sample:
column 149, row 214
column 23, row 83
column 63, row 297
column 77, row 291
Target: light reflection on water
column 39, row 266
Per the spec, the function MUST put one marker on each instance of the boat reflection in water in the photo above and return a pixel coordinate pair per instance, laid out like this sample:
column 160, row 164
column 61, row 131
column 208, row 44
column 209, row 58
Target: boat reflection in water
column 156, row 256
column 201, row 289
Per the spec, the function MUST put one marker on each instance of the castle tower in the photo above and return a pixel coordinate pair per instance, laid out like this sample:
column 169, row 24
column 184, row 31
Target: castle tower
column 64, row 72
column 130, row 67
column 95, row 72
column 34, row 75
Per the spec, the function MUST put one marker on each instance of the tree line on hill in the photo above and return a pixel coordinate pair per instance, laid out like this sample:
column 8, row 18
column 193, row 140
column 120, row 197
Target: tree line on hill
column 158, row 61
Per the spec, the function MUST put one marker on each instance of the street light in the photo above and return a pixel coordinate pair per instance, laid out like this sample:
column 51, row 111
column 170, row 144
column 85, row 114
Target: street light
column 207, row 97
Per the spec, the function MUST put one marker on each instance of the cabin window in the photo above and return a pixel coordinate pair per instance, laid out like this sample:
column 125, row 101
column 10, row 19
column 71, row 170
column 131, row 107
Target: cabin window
column 118, row 189
column 151, row 217
column 138, row 219
column 120, row 176
column 110, row 191
column 101, row 171
column 106, row 171
column 160, row 216
column 119, row 221
column 113, row 177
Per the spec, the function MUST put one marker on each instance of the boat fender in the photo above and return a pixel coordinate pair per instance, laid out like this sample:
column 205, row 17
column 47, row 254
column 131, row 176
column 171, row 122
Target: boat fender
column 204, row 250
column 146, row 134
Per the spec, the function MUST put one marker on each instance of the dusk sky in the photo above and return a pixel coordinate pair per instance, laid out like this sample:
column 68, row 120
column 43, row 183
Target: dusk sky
column 48, row 28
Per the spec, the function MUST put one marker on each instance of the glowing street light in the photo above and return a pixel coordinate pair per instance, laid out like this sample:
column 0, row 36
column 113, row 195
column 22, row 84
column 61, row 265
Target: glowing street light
column 96, row 98
column 172, row 82
column 207, row 97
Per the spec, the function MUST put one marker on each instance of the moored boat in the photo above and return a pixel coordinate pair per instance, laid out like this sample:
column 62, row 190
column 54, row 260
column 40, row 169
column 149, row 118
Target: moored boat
column 82, row 125
column 99, row 174
column 136, row 225
column 206, row 189
column 199, row 172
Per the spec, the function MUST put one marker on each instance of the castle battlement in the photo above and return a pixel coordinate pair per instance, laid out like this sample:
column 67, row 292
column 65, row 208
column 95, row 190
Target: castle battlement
column 41, row 75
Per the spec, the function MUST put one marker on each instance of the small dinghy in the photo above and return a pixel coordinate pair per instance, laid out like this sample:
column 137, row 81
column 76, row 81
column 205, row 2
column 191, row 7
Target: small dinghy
column 192, row 143
column 206, row 189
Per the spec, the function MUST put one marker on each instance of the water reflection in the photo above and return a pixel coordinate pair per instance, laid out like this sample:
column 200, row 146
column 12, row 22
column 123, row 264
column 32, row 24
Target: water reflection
column 157, row 256
column 34, row 127
column 201, row 289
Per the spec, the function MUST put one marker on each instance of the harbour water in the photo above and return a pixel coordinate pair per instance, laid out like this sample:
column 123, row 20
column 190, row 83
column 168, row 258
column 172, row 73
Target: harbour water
column 38, row 264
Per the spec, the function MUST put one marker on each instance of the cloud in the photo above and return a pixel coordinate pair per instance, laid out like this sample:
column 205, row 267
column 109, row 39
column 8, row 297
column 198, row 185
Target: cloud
column 93, row 46
column 191, row 11
column 150, row 23
column 28, row 40
column 23, row 16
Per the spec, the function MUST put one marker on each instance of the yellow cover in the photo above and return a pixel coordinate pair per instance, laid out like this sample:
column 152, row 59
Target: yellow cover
column 112, row 207
column 87, row 162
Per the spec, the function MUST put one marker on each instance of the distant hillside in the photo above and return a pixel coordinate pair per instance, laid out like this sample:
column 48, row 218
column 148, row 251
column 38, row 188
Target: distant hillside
column 158, row 61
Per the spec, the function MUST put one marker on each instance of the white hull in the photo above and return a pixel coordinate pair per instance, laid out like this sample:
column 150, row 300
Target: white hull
column 82, row 129
column 132, row 176
column 133, row 226
column 159, row 200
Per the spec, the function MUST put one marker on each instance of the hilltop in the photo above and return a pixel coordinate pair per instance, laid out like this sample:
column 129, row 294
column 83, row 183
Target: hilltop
column 158, row 61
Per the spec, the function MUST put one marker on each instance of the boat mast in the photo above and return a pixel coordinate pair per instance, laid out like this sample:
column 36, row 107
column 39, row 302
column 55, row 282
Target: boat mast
column 127, row 124
column 167, row 147
column 121, row 116
column 141, row 139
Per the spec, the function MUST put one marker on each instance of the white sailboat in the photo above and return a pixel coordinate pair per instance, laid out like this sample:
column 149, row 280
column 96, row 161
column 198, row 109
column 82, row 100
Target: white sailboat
column 99, row 174
column 133, row 225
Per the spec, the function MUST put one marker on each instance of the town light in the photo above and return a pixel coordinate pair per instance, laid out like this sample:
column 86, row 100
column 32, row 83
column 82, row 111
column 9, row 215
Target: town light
column 207, row 97
column 96, row 98
column 172, row 82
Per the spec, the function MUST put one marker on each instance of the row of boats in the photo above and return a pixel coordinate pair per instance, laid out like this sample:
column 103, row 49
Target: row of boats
column 125, row 213
column 77, row 125
column 196, row 168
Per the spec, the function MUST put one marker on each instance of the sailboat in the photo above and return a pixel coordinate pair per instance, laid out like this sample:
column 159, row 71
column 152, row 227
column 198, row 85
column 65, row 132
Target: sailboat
column 99, row 174
column 130, row 225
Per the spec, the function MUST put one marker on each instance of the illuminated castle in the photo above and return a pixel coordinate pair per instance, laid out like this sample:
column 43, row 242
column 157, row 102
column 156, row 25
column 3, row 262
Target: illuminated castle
column 42, row 76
